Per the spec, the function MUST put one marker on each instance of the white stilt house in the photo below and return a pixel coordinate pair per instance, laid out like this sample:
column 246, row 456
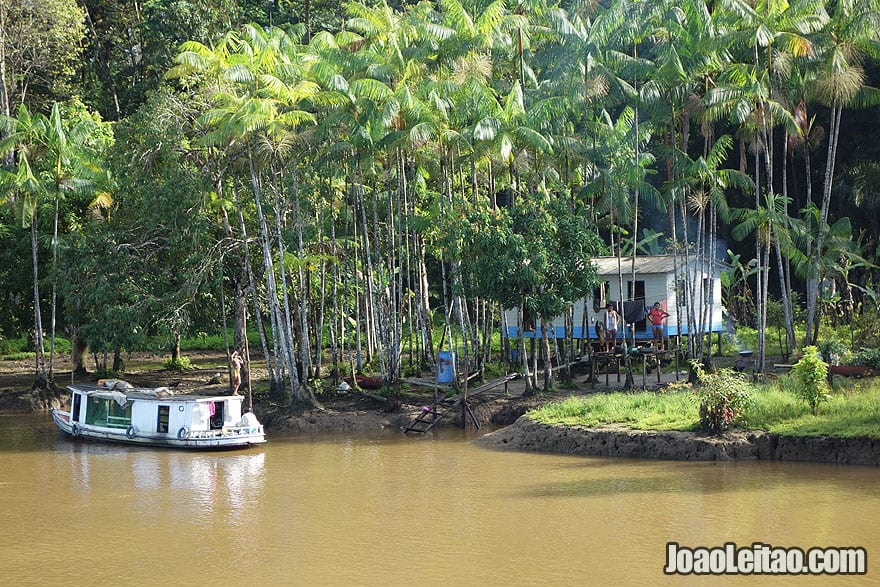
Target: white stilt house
column 658, row 278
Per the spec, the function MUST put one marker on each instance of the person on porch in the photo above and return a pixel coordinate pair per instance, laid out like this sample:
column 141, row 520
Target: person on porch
column 658, row 315
column 612, row 319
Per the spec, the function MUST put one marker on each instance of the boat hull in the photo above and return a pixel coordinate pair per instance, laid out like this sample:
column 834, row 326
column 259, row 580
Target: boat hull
column 232, row 438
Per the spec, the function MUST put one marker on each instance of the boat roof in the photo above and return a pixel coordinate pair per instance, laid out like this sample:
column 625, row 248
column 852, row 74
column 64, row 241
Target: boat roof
column 162, row 394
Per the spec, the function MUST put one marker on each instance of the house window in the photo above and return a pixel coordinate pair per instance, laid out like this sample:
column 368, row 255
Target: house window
column 162, row 419
column 639, row 293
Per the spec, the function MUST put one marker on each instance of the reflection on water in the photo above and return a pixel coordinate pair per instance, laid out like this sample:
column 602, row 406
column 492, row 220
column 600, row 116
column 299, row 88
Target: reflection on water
column 205, row 483
column 393, row 510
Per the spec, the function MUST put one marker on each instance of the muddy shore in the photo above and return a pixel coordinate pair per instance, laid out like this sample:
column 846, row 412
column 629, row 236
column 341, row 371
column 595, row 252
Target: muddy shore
column 528, row 435
column 338, row 412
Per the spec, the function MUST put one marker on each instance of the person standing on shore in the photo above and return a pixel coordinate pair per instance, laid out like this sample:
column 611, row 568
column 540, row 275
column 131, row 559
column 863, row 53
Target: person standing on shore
column 237, row 362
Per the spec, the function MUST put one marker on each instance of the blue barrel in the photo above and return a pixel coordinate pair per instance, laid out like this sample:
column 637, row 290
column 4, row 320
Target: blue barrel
column 445, row 366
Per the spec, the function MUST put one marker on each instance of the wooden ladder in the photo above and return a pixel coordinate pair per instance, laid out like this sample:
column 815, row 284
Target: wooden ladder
column 426, row 419
column 432, row 414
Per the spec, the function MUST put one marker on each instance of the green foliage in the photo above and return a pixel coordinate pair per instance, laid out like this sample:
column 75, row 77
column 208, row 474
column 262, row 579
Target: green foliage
column 537, row 255
column 16, row 348
column 810, row 377
column 317, row 386
column 9, row 346
column 864, row 327
column 204, row 342
column 178, row 364
column 833, row 351
column 42, row 43
column 868, row 358
column 720, row 397
column 855, row 413
column 19, row 356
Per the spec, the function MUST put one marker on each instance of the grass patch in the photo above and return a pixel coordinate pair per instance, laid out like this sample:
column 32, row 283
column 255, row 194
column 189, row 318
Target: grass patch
column 13, row 349
column 18, row 356
column 853, row 411
column 642, row 411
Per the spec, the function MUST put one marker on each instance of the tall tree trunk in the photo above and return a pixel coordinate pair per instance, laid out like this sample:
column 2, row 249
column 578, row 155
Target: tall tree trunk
column 275, row 383
column 545, row 346
column 54, row 289
column 39, row 347
column 285, row 346
column 304, row 352
column 813, row 291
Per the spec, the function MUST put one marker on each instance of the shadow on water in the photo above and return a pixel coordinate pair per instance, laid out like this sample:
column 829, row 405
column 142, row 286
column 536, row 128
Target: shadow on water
column 610, row 476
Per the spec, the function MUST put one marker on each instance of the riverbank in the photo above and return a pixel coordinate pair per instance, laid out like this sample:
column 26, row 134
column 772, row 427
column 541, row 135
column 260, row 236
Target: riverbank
column 359, row 412
column 338, row 412
column 612, row 441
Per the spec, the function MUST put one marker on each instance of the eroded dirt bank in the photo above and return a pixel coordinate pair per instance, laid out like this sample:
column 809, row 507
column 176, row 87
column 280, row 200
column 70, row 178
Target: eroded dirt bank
column 527, row 435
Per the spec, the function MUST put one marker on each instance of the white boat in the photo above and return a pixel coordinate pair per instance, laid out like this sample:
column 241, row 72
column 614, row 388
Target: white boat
column 115, row 411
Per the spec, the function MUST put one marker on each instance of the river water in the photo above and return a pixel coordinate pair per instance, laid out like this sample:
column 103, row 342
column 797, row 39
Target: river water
column 385, row 509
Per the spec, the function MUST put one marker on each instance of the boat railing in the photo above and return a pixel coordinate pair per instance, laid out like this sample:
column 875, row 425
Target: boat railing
column 117, row 422
column 227, row 431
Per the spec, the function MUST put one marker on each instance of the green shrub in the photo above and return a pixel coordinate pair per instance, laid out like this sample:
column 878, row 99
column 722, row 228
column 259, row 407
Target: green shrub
column 9, row 346
column 868, row 358
column 720, row 397
column 810, row 377
column 833, row 351
column 180, row 364
column 318, row 386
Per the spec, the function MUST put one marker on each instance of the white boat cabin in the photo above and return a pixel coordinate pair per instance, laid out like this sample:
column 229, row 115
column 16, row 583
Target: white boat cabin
column 158, row 417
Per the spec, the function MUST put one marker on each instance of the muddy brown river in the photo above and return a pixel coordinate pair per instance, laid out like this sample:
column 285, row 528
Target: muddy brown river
column 386, row 509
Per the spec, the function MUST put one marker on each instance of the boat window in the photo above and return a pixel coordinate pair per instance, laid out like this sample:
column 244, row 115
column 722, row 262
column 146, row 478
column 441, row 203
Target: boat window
column 217, row 415
column 107, row 412
column 77, row 403
column 162, row 421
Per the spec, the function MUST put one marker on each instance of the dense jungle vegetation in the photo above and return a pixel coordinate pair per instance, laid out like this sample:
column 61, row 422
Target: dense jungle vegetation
column 370, row 183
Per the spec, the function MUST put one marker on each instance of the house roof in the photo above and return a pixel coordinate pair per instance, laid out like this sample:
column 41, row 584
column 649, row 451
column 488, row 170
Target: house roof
column 645, row 264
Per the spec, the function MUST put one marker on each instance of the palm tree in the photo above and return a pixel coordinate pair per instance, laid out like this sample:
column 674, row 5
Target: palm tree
column 26, row 137
column 750, row 98
column 707, row 184
column 841, row 83
column 258, row 111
